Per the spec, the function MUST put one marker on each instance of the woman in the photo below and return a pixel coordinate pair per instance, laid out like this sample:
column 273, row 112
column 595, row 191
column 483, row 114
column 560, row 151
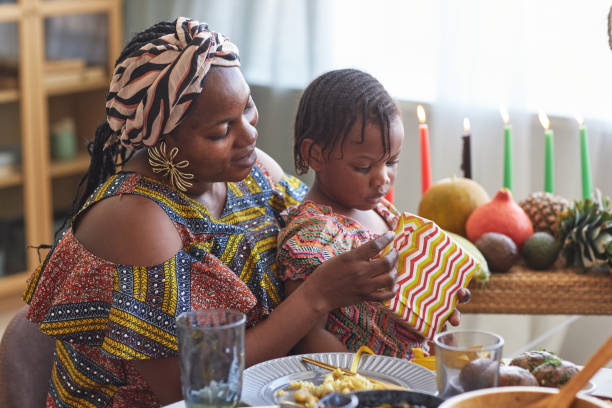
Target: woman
column 189, row 222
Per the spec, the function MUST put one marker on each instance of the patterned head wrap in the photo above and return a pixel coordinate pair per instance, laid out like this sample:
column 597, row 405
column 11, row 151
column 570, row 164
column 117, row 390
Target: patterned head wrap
column 151, row 90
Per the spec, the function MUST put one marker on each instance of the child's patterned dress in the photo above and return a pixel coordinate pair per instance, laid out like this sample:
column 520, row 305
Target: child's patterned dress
column 313, row 234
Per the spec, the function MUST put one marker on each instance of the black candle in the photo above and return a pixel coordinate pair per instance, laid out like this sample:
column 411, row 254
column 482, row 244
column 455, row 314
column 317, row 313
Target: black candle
column 466, row 154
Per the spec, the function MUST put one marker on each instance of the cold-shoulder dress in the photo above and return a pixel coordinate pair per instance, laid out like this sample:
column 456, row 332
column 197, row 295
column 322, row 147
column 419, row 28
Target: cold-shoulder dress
column 104, row 315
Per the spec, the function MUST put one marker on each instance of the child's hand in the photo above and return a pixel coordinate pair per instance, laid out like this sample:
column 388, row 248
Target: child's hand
column 355, row 276
column 463, row 296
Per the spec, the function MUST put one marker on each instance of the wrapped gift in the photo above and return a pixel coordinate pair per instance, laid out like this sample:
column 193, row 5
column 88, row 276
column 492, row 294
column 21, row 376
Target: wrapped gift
column 432, row 268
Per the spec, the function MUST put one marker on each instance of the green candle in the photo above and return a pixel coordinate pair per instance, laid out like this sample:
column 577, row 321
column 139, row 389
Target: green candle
column 549, row 166
column 508, row 157
column 507, row 149
column 584, row 163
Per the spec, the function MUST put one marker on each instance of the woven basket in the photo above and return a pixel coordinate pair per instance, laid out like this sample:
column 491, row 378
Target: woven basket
column 559, row 291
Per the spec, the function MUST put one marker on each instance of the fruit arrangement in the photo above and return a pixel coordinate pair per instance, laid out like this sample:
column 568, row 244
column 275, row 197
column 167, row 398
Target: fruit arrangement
column 544, row 209
column 450, row 201
column 541, row 230
column 547, row 368
column 585, row 231
column 531, row 368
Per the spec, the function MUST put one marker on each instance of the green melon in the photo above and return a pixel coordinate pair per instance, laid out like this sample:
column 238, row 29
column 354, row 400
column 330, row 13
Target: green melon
column 450, row 201
column 482, row 274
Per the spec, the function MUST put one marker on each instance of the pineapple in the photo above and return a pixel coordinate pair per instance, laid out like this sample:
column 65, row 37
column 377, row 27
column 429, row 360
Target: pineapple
column 585, row 233
column 543, row 209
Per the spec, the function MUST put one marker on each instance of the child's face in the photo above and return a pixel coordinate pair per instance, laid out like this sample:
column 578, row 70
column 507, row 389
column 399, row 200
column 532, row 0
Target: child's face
column 358, row 175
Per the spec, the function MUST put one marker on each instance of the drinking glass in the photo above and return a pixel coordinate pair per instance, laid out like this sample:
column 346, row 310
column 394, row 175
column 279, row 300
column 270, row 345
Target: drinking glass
column 467, row 360
column 211, row 357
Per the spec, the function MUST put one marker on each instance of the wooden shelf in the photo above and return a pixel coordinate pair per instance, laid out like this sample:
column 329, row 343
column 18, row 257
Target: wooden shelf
column 78, row 165
column 65, row 7
column 72, row 86
column 10, row 178
column 8, row 95
column 59, row 88
column 10, row 12
column 12, row 287
column 39, row 186
column 556, row 291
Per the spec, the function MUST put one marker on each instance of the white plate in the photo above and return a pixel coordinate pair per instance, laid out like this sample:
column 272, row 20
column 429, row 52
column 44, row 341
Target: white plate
column 588, row 388
column 262, row 381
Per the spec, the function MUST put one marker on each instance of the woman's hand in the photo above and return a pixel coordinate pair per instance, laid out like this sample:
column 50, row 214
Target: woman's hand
column 463, row 296
column 355, row 276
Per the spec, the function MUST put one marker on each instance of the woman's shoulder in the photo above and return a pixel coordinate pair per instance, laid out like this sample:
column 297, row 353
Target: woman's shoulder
column 128, row 229
column 270, row 167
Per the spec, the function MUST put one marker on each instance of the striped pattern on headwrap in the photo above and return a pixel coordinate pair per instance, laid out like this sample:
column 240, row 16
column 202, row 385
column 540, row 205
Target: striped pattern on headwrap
column 152, row 89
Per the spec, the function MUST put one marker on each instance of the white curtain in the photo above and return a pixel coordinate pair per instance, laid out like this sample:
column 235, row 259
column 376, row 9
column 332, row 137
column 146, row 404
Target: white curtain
column 458, row 58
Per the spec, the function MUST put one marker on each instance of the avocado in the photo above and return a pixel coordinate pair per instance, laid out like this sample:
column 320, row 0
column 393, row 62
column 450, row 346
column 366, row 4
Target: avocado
column 499, row 250
column 540, row 250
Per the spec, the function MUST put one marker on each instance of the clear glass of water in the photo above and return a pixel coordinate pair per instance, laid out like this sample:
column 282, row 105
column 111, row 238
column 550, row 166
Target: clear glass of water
column 211, row 357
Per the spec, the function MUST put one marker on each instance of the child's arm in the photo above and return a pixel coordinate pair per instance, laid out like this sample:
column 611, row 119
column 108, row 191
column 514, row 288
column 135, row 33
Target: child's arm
column 317, row 340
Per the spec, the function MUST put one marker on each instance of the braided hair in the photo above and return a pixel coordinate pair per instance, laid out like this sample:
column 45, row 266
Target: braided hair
column 105, row 161
column 333, row 103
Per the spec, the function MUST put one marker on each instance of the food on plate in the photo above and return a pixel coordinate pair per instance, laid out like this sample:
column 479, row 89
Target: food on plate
column 515, row 375
column 455, row 359
column 548, row 369
column 531, row 359
column 307, row 394
column 478, row 373
column 555, row 372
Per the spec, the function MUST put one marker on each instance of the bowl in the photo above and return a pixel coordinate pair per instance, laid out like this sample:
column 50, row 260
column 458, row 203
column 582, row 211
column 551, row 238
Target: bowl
column 375, row 398
column 514, row 397
column 338, row 400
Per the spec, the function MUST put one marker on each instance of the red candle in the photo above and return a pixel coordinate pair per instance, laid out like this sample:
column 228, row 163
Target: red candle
column 389, row 197
column 424, row 137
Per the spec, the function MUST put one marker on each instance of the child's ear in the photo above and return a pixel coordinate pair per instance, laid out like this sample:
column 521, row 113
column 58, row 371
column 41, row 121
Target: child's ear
column 312, row 154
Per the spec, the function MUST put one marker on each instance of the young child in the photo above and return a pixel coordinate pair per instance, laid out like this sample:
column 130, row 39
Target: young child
column 349, row 131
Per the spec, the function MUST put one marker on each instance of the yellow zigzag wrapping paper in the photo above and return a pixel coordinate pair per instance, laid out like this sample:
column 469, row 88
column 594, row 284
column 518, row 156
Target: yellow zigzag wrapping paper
column 432, row 268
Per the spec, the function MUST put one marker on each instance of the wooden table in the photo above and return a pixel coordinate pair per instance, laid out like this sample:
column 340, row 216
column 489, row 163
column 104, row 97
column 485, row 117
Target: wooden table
column 602, row 381
column 559, row 291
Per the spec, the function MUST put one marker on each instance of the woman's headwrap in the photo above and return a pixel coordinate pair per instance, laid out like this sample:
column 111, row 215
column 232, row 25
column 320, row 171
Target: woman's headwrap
column 151, row 90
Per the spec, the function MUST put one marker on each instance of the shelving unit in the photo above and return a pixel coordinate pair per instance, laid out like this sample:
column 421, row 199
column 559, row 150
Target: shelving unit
column 28, row 189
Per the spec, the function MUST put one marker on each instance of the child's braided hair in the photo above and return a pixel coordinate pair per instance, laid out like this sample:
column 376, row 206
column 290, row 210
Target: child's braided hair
column 333, row 103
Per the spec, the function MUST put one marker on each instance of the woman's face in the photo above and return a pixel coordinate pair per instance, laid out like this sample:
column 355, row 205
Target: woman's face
column 218, row 134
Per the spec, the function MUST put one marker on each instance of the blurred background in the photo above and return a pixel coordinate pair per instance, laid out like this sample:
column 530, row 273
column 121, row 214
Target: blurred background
column 456, row 58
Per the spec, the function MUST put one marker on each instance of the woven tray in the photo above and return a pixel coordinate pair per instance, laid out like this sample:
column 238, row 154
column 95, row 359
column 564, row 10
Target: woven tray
column 559, row 291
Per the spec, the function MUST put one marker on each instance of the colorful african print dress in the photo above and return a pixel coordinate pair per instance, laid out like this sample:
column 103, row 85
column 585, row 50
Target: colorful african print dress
column 103, row 314
column 313, row 234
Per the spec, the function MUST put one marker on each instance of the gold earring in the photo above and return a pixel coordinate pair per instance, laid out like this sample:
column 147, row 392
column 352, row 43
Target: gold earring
column 161, row 163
